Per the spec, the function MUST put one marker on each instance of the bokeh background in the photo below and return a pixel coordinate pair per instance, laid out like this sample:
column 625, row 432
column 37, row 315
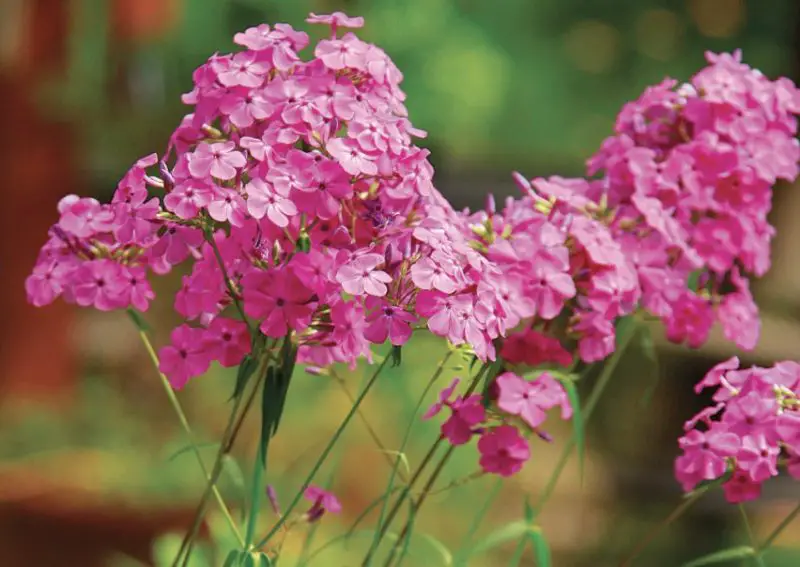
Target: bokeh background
column 88, row 475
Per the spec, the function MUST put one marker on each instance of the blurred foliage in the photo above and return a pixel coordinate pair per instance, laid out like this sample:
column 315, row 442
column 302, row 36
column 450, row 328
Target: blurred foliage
column 497, row 85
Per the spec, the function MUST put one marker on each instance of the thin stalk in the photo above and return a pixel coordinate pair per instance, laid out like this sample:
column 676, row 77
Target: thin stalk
column 176, row 406
column 324, row 454
column 591, row 404
column 778, row 530
column 476, row 522
column 367, row 425
column 255, row 500
column 750, row 536
column 231, row 433
column 440, row 466
column 419, row 501
column 674, row 515
column 406, row 436
column 422, row 466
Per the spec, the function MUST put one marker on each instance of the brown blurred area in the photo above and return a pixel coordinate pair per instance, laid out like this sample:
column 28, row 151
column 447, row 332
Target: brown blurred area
column 54, row 507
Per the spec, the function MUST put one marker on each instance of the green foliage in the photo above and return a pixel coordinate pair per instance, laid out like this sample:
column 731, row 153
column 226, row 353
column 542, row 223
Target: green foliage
column 578, row 427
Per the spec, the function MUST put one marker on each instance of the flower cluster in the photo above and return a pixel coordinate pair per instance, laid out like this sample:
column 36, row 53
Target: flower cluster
column 751, row 432
column 517, row 407
column 685, row 187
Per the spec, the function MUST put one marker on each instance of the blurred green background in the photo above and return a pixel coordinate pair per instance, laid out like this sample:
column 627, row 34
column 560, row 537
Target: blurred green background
column 86, row 434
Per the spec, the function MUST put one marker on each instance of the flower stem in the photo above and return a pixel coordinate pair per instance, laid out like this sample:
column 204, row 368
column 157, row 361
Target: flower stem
column 674, row 515
column 418, row 472
column 231, row 433
column 176, row 406
column 324, row 455
column 778, row 530
column 588, row 410
column 750, row 537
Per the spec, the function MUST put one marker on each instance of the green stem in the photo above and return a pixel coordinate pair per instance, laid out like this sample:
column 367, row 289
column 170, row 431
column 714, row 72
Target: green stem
column 426, row 490
column 674, row 515
column 255, row 496
column 778, row 530
column 591, row 404
column 750, row 537
column 476, row 522
column 422, row 466
column 176, row 406
column 406, row 436
column 324, row 454
column 231, row 433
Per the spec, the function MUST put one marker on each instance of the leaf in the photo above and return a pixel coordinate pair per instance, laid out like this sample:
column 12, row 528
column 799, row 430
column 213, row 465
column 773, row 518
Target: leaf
column 509, row 532
column 577, row 421
column 396, row 355
column 138, row 320
column 440, row 548
column 403, row 459
column 234, row 559
column 276, row 387
column 694, row 279
column 246, row 369
column 540, row 547
column 730, row 554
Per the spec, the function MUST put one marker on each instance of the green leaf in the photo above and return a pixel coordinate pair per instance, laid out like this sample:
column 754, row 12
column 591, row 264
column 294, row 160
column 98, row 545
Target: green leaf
column 138, row 320
column 731, row 554
column 540, row 547
column 246, row 369
column 694, row 279
column 509, row 532
column 234, row 559
column 440, row 548
column 577, row 421
column 396, row 355
column 276, row 388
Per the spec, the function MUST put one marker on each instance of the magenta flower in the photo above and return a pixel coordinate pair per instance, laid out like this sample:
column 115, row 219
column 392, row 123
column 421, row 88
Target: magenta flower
column 101, row 284
column 704, row 455
column 279, row 300
column 184, row 358
column 741, row 488
column 758, row 457
column 337, row 19
column 360, row 276
column 516, row 397
column 388, row 321
column 503, row 450
column 243, row 69
column 351, row 158
column 227, row 341
column 322, row 501
column 466, row 414
column 444, row 399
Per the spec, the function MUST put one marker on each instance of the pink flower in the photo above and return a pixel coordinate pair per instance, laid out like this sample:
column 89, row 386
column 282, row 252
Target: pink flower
column 243, row 69
column 219, row 159
column 279, row 300
column 466, row 414
column 264, row 200
column 388, row 321
column 758, row 457
column 185, row 357
column 227, row 341
column 360, row 276
column 337, row 19
column 704, row 455
column 322, row 501
column 741, row 488
column 503, row 451
column 101, row 284
column 516, row 397
column 351, row 158
column 444, row 399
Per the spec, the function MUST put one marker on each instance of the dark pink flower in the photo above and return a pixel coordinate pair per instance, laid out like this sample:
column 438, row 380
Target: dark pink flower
column 503, row 451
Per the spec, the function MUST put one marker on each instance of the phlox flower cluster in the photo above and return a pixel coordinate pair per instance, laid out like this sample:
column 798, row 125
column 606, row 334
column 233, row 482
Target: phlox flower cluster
column 749, row 435
column 684, row 185
column 517, row 408
column 293, row 190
